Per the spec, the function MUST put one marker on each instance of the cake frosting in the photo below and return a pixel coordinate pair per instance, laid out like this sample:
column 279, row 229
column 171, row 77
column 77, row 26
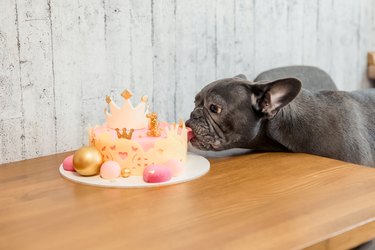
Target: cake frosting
column 135, row 139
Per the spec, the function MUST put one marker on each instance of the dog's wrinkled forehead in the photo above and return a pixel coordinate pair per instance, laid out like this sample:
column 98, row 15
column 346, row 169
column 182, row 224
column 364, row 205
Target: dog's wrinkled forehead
column 223, row 91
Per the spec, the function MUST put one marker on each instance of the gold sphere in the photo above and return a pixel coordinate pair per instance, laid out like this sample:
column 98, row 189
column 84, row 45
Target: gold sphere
column 87, row 161
column 125, row 172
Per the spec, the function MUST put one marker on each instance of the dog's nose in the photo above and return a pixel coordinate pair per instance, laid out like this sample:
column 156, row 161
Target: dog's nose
column 196, row 114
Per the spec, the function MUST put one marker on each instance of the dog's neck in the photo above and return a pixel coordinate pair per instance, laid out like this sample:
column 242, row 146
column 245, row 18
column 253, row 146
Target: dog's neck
column 279, row 133
column 290, row 127
column 264, row 142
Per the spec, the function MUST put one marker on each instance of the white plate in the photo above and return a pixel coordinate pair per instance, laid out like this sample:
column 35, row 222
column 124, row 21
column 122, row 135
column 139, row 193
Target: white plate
column 218, row 154
column 196, row 166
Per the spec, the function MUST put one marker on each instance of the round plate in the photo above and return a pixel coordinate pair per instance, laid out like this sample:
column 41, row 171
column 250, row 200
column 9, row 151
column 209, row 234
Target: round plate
column 218, row 154
column 195, row 167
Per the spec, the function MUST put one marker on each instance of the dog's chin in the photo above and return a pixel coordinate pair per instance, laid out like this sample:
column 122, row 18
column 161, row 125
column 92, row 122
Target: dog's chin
column 203, row 145
column 200, row 144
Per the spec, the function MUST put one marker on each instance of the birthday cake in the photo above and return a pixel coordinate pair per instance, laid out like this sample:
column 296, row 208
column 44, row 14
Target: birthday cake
column 132, row 142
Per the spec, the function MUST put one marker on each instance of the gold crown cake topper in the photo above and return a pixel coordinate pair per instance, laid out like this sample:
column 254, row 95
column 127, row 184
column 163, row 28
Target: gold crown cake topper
column 124, row 134
column 127, row 116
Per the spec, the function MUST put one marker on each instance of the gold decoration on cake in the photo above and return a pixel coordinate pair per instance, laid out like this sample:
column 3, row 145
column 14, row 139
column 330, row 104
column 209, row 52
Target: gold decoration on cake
column 181, row 123
column 126, row 94
column 153, row 125
column 124, row 134
column 87, row 161
column 108, row 99
column 125, row 172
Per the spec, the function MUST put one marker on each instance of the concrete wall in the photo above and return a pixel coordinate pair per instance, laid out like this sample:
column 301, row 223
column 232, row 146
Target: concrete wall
column 58, row 59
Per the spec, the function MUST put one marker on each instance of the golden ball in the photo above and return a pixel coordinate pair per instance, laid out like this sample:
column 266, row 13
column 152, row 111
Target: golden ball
column 125, row 172
column 87, row 161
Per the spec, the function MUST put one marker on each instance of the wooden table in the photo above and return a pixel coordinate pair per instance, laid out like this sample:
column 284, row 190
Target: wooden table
column 254, row 201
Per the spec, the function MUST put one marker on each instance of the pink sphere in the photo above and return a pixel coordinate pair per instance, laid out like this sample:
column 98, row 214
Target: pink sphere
column 155, row 174
column 175, row 166
column 68, row 163
column 110, row 170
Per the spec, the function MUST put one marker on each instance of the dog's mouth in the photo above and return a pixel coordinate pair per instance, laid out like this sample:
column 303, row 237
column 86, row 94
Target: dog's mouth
column 190, row 134
column 196, row 142
column 201, row 138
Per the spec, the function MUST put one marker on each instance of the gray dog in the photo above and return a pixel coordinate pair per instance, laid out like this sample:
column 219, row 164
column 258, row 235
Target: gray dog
column 279, row 115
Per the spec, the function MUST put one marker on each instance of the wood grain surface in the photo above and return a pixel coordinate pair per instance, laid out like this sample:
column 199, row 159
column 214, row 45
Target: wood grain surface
column 254, row 201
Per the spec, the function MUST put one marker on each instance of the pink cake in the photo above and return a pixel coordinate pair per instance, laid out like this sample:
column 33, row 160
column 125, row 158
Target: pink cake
column 133, row 137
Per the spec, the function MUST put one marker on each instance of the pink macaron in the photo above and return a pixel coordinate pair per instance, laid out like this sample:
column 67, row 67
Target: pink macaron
column 68, row 163
column 156, row 174
column 110, row 170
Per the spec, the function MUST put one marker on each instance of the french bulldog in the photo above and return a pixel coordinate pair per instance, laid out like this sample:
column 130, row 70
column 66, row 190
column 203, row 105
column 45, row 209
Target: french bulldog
column 280, row 115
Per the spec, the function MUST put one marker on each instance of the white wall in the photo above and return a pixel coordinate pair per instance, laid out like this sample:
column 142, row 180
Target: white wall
column 58, row 59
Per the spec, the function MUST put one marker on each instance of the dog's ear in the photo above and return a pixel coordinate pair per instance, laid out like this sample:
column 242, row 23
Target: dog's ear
column 267, row 99
column 242, row 76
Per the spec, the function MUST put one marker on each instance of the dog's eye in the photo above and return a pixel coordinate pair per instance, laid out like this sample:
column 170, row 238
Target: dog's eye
column 215, row 109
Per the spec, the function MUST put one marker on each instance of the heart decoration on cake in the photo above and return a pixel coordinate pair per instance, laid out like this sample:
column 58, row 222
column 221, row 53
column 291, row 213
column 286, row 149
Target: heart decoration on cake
column 123, row 155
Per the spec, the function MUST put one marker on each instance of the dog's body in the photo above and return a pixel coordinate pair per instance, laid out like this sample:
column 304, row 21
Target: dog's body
column 278, row 116
column 335, row 124
column 312, row 78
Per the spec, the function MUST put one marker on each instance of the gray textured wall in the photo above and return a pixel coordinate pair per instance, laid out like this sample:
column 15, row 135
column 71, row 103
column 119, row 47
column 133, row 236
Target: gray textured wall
column 58, row 59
